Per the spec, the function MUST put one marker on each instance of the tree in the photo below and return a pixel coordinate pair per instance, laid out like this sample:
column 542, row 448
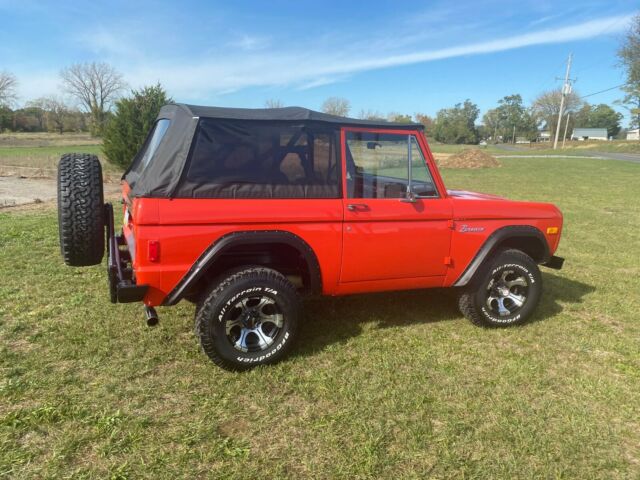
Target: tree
column 56, row 113
column 510, row 117
column 600, row 116
column 371, row 115
column 134, row 116
column 457, row 124
column 6, row 118
column 399, row 117
column 37, row 111
column 96, row 86
column 427, row 121
column 273, row 103
column 546, row 107
column 629, row 59
column 8, row 86
column 336, row 106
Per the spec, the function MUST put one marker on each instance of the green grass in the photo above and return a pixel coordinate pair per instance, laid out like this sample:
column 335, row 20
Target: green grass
column 39, row 153
column 46, row 158
column 394, row 385
column 571, row 148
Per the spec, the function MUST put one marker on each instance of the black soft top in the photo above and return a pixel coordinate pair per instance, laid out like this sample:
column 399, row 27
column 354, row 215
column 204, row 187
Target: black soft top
column 165, row 176
column 286, row 114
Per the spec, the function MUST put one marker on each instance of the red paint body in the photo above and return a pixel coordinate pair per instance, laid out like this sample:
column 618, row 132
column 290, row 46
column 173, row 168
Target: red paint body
column 386, row 244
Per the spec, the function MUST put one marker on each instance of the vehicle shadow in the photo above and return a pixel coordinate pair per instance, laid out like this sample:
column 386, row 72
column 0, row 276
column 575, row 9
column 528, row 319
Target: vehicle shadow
column 331, row 320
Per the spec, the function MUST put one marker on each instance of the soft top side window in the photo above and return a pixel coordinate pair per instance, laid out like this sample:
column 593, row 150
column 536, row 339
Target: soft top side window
column 159, row 130
column 237, row 159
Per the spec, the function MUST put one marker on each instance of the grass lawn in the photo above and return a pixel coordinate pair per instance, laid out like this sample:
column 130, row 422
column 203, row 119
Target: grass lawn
column 40, row 152
column 571, row 148
column 394, row 385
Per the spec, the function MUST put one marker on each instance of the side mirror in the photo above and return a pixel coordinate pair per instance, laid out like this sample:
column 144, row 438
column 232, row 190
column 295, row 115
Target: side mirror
column 410, row 197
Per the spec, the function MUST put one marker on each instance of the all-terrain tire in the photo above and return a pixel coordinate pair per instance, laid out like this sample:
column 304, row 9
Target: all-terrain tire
column 505, row 291
column 81, row 217
column 223, row 317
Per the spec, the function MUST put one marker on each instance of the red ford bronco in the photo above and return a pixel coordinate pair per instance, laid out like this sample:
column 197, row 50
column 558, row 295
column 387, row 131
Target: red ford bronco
column 241, row 211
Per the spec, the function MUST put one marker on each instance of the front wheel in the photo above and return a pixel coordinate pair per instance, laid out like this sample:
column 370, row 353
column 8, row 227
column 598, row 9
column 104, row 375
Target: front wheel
column 248, row 319
column 505, row 291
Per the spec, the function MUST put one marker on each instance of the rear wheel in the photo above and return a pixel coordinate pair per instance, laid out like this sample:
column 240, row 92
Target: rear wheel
column 81, row 218
column 248, row 319
column 505, row 291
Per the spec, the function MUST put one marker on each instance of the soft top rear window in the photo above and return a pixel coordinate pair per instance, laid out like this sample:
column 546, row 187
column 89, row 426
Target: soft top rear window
column 159, row 129
column 248, row 159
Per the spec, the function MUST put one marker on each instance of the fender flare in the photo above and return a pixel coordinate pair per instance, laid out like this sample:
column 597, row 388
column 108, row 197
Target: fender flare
column 494, row 239
column 248, row 237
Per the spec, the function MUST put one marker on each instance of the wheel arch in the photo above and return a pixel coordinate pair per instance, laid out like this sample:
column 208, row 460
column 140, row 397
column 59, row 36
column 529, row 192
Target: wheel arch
column 526, row 238
column 235, row 242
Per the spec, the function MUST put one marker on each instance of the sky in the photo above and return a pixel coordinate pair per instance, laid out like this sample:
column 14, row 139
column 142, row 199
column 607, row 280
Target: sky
column 384, row 56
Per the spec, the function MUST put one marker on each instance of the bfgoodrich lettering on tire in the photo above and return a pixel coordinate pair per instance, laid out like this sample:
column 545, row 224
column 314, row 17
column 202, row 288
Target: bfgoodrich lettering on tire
column 504, row 292
column 80, row 209
column 249, row 318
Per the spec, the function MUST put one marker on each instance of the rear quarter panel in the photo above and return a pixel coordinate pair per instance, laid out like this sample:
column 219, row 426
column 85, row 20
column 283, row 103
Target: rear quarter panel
column 185, row 228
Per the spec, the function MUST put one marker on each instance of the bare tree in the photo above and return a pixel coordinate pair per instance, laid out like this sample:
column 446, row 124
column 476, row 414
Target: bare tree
column 273, row 103
column 546, row 107
column 336, row 106
column 629, row 60
column 96, row 86
column 56, row 112
column 8, row 85
column 371, row 115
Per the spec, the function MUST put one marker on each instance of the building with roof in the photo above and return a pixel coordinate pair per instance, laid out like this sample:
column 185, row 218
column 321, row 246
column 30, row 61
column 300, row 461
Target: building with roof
column 589, row 134
column 633, row 134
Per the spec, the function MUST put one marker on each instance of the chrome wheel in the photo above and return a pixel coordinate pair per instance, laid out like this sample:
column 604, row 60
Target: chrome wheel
column 507, row 293
column 253, row 323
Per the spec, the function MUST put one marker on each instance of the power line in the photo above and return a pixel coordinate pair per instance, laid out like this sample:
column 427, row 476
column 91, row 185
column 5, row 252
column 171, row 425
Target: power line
column 605, row 90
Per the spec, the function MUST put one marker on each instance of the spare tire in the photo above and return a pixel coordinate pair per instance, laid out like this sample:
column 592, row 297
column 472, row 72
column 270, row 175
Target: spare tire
column 81, row 217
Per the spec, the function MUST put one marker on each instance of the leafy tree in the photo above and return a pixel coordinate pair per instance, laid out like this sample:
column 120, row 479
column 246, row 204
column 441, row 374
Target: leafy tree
column 96, row 86
column 133, row 118
column 629, row 59
column 510, row 113
column 399, row 118
column 336, row 106
column 8, row 86
column 546, row 107
column 6, row 119
column 600, row 116
column 457, row 124
column 427, row 121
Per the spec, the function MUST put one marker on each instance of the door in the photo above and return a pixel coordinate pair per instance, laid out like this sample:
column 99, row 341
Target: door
column 396, row 220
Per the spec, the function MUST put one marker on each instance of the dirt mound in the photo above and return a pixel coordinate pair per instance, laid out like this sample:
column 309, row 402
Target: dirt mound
column 468, row 158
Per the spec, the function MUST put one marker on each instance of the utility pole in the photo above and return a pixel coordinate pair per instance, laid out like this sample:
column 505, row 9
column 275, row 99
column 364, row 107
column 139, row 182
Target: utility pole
column 514, row 135
column 566, row 90
column 566, row 127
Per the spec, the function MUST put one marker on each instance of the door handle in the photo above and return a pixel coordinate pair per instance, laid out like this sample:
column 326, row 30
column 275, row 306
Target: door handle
column 357, row 206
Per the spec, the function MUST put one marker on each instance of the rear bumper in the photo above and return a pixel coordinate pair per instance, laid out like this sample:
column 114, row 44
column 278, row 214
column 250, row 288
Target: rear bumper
column 122, row 286
column 554, row 262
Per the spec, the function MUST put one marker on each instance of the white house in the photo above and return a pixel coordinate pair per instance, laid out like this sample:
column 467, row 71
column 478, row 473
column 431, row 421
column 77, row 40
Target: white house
column 589, row 134
column 544, row 136
column 633, row 134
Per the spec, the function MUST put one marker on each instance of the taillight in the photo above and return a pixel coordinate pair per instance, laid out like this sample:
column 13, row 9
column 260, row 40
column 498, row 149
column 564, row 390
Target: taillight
column 154, row 251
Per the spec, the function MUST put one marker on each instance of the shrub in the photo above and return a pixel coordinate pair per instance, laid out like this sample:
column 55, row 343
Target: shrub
column 132, row 120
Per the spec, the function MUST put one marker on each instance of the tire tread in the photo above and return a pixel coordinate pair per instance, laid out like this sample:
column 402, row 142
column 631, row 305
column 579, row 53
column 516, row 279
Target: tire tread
column 81, row 209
